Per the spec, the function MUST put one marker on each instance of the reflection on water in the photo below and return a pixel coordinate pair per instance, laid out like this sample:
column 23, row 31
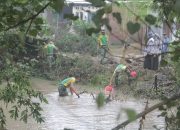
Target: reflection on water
column 82, row 114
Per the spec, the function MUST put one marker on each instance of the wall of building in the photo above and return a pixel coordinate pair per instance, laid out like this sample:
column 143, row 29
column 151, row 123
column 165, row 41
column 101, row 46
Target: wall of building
column 84, row 11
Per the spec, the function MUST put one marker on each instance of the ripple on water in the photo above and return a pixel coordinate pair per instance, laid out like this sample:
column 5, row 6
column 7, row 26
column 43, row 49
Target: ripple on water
column 83, row 114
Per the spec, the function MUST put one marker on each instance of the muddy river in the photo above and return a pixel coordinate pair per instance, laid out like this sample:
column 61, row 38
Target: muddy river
column 82, row 114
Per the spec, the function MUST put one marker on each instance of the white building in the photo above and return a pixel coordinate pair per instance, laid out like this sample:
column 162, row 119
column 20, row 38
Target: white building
column 81, row 8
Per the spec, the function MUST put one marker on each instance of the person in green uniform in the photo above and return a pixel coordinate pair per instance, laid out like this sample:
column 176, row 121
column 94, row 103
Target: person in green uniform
column 103, row 44
column 50, row 49
column 50, row 52
column 67, row 83
column 123, row 68
column 119, row 68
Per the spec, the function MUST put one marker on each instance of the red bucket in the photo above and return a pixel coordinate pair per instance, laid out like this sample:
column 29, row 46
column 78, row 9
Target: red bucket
column 109, row 88
column 133, row 74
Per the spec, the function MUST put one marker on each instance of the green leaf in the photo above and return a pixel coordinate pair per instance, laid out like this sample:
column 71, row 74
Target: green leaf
column 17, row 8
column 105, row 21
column 14, row 112
column 150, row 19
column 177, row 6
column 133, row 27
column 171, row 104
column 21, row 1
column 90, row 31
column 164, row 63
column 100, row 100
column 178, row 114
column 57, row 5
column 108, row 8
column 109, row 27
column 70, row 16
column 163, row 114
column 97, row 3
column 2, row 118
column 161, row 108
column 117, row 15
column 117, row 3
column 38, row 21
column 24, row 115
column 131, row 114
column 33, row 32
column 97, row 18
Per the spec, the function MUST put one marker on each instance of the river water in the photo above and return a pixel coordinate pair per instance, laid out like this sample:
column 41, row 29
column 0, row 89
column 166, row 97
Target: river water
column 82, row 114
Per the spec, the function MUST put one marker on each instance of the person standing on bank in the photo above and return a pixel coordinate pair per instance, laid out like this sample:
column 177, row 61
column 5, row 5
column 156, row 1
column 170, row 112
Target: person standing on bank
column 152, row 51
column 165, row 43
column 103, row 44
column 51, row 48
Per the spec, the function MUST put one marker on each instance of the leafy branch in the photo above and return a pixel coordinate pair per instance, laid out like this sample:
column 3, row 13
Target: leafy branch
column 148, row 110
column 30, row 18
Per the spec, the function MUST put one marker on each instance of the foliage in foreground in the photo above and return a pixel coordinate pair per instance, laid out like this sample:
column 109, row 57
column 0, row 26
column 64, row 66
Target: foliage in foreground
column 19, row 19
column 17, row 96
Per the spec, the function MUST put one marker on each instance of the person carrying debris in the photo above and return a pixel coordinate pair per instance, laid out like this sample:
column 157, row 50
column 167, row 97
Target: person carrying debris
column 67, row 83
column 122, row 68
column 103, row 44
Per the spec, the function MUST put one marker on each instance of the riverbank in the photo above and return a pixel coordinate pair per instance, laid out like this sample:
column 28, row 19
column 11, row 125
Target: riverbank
column 95, row 76
column 141, row 89
column 123, row 93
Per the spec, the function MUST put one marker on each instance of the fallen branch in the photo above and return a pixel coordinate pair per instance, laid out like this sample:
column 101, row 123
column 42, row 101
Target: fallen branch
column 125, row 123
column 167, row 83
column 83, row 92
column 143, row 117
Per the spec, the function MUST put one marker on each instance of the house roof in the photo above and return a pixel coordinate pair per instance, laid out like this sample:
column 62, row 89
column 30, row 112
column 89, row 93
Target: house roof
column 78, row 1
column 81, row 1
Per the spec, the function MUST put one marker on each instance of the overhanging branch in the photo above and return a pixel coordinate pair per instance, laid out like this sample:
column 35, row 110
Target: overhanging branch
column 29, row 26
column 125, row 123
column 30, row 18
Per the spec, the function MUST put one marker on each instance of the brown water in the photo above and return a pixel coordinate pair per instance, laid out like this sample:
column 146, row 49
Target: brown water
column 82, row 114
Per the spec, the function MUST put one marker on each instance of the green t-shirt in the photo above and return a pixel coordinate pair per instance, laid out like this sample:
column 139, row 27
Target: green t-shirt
column 103, row 40
column 120, row 67
column 50, row 48
column 66, row 81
